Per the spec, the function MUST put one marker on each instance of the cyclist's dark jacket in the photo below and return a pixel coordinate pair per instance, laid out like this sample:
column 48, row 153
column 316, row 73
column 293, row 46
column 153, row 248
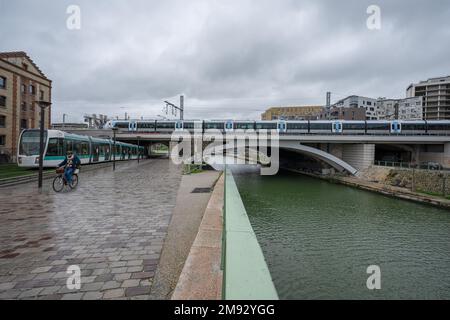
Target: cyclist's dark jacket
column 75, row 162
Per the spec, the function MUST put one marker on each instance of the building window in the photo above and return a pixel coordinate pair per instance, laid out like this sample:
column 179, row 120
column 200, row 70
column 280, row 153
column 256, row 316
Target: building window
column 24, row 106
column 2, row 101
column 41, row 94
column 2, row 121
column 2, row 83
column 23, row 88
column 25, row 66
column 23, row 124
column 32, row 89
column 2, row 140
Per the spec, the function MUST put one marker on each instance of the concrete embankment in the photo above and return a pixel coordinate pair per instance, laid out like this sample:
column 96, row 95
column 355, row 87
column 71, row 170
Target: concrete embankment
column 201, row 278
column 187, row 216
column 393, row 191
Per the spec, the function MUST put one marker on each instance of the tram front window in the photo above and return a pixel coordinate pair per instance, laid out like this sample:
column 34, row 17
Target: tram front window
column 29, row 144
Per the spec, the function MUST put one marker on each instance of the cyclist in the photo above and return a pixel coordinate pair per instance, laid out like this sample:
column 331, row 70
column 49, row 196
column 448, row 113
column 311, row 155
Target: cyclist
column 70, row 163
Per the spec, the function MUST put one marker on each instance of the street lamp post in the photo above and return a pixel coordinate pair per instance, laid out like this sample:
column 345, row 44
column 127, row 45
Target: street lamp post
column 139, row 148
column 114, row 148
column 42, row 105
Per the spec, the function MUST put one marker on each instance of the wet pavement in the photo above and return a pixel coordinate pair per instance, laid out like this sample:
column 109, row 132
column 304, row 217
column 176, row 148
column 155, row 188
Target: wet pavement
column 112, row 226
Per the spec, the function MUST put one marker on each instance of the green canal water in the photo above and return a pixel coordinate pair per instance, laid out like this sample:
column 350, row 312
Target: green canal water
column 318, row 239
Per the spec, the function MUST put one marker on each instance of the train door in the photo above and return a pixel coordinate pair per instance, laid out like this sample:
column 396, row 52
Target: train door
column 229, row 126
column 337, row 127
column 281, row 126
column 95, row 152
column 179, row 126
column 132, row 126
column 396, row 127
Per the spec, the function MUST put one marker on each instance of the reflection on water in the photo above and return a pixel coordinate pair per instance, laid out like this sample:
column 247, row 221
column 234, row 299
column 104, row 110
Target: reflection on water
column 319, row 238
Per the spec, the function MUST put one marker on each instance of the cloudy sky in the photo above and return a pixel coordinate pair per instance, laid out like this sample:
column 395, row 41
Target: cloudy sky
column 230, row 58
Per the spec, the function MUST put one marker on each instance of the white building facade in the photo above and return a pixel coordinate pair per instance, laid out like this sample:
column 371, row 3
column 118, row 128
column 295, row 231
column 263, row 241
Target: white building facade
column 400, row 109
column 436, row 97
column 369, row 104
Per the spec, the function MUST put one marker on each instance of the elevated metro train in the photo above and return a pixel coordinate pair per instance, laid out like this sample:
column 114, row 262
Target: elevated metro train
column 57, row 143
column 290, row 127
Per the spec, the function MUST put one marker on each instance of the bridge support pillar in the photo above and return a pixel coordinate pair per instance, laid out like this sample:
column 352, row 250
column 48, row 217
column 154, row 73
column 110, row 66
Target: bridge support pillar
column 446, row 162
column 359, row 156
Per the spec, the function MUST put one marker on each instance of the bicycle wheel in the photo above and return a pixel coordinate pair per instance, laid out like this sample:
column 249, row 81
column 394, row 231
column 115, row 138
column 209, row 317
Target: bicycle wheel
column 74, row 182
column 58, row 184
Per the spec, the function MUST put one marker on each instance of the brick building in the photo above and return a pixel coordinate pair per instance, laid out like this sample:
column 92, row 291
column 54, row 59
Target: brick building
column 22, row 83
column 292, row 113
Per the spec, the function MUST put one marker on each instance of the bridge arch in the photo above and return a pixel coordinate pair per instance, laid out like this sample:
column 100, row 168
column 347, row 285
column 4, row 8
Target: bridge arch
column 326, row 157
column 315, row 153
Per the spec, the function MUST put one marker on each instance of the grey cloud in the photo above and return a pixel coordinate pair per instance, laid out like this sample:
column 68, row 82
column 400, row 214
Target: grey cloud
column 232, row 59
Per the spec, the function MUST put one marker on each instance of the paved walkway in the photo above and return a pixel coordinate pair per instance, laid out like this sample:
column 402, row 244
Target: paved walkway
column 112, row 227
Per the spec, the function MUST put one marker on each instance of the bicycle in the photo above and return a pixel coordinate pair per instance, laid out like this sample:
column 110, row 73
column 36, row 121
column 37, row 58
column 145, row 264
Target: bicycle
column 60, row 181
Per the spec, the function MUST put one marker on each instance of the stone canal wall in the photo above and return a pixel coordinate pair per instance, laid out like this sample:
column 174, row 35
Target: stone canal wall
column 421, row 180
column 427, row 181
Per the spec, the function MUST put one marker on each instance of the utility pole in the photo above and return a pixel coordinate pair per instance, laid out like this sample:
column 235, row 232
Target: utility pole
column 175, row 107
column 64, row 120
column 42, row 106
column 139, row 145
column 328, row 105
column 181, row 107
column 114, row 149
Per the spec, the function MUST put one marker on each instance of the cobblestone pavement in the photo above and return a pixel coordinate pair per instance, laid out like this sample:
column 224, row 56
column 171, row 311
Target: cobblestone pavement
column 112, row 226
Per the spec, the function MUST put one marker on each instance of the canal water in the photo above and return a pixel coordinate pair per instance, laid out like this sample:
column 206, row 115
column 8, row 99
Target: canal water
column 319, row 238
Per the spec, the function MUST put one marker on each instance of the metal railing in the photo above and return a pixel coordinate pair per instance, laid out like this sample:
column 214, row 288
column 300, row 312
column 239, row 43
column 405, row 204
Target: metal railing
column 394, row 164
column 245, row 272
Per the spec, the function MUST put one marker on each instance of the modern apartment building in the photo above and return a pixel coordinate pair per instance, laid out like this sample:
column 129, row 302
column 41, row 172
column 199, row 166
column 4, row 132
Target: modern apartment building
column 341, row 113
column 436, row 97
column 22, row 83
column 400, row 109
column 292, row 113
column 369, row 104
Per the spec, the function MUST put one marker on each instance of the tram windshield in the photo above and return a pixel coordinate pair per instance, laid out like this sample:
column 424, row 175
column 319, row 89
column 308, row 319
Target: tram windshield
column 29, row 143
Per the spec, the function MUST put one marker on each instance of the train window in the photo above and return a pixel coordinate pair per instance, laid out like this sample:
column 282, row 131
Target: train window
column 77, row 147
column 68, row 145
column 29, row 144
column 84, row 148
column 354, row 126
column 297, row 126
column 378, row 126
column 188, row 125
column 122, row 125
column 266, row 126
column 320, row 126
column 146, row 125
column 55, row 147
column 413, row 126
column 165, row 125
column 245, row 126
column 214, row 125
column 438, row 126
